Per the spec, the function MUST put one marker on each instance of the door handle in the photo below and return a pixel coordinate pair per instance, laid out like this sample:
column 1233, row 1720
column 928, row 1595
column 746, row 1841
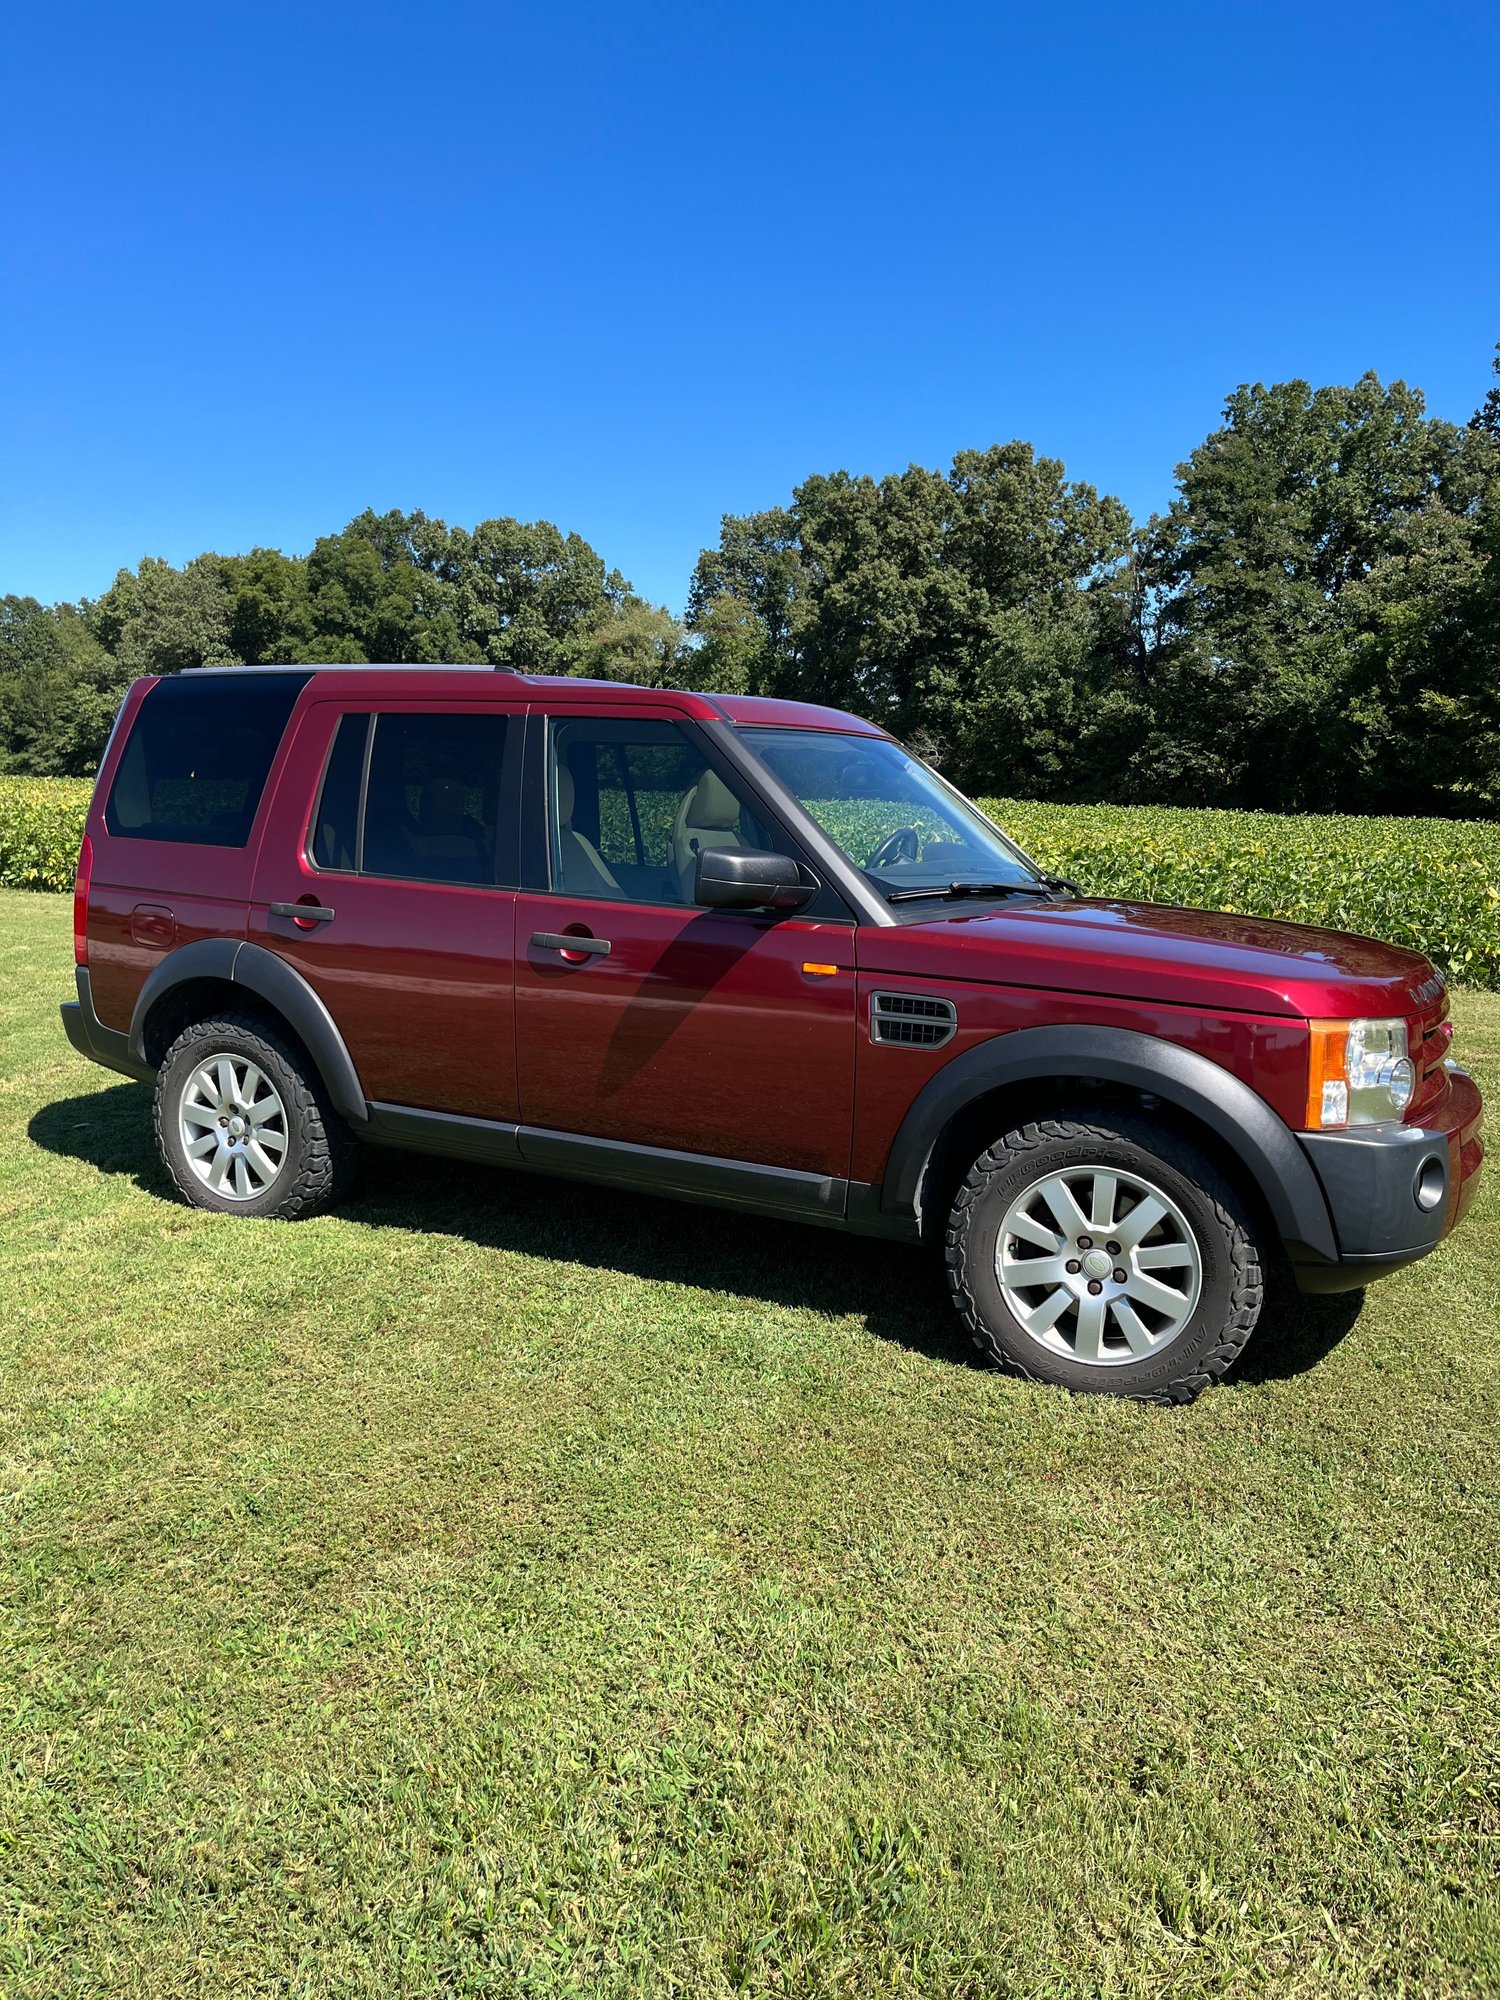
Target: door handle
column 586, row 947
column 303, row 913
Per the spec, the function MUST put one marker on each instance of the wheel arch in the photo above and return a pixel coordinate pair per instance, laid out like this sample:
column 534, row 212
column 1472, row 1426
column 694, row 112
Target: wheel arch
column 1018, row 1075
column 214, row 971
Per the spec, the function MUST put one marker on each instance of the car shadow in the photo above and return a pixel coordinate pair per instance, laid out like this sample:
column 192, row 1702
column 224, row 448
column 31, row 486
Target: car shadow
column 894, row 1289
column 1295, row 1333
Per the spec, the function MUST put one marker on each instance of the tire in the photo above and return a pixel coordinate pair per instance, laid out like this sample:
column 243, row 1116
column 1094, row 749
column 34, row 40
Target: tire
column 279, row 1147
column 1155, row 1340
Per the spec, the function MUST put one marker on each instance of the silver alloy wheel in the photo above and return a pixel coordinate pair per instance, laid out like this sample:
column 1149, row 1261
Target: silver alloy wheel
column 233, row 1127
column 1099, row 1265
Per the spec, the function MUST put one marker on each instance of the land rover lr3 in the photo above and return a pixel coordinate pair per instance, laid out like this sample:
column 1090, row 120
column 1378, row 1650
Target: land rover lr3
column 750, row 952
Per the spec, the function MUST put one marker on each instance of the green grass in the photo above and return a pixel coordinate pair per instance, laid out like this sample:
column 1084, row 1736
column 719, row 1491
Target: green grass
column 504, row 1588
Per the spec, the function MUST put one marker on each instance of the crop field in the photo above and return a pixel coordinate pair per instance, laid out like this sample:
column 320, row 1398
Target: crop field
column 505, row 1588
column 1431, row 884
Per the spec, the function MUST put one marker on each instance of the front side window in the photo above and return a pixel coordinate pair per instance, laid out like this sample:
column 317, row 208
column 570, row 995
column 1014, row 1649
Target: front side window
column 198, row 755
column 418, row 801
column 632, row 805
column 909, row 831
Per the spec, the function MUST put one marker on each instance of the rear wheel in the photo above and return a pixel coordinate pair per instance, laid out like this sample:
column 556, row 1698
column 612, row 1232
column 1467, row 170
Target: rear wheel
column 1111, row 1257
column 244, row 1125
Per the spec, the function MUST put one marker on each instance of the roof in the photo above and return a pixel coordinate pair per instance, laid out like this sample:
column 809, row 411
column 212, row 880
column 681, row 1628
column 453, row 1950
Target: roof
column 465, row 681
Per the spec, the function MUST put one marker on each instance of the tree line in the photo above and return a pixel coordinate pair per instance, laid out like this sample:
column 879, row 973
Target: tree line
column 1313, row 624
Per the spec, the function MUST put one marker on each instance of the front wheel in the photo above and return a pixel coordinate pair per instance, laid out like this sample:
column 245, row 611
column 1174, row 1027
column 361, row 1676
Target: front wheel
column 1110, row 1257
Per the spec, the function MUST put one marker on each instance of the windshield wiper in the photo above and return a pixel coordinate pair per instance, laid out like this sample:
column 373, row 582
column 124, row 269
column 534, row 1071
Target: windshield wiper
column 953, row 891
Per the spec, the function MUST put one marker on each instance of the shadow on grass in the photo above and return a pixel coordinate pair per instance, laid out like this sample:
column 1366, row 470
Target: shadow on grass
column 895, row 1289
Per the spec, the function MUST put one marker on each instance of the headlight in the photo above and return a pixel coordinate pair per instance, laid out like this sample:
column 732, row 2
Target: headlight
column 1359, row 1073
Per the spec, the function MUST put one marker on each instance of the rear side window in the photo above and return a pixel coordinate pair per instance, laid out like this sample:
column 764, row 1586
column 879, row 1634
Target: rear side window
column 336, row 825
column 420, row 801
column 198, row 755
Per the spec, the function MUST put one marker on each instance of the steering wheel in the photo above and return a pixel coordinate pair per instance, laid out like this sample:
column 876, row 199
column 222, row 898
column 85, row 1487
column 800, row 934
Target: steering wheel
column 905, row 844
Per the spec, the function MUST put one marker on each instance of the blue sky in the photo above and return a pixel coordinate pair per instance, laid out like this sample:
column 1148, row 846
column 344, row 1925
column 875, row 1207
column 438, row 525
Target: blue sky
column 631, row 267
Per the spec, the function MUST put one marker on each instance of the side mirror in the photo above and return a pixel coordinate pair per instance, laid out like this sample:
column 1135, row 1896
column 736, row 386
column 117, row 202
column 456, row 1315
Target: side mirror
column 742, row 878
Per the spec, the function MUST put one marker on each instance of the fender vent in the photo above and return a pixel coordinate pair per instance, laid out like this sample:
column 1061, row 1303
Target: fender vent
column 912, row 1020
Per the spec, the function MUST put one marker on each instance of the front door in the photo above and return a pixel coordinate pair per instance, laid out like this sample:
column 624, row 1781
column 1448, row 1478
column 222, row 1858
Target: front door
column 407, row 822
column 720, row 1033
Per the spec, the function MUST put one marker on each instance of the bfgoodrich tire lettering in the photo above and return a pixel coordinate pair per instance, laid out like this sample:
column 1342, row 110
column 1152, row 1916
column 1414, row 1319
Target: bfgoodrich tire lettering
column 317, row 1163
column 1201, row 1210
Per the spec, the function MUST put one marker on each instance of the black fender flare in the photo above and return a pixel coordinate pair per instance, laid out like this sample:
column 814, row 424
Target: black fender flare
column 1265, row 1145
column 271, row 979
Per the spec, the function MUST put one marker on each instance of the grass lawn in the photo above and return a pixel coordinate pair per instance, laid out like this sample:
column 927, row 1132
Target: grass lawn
column 501, row 1587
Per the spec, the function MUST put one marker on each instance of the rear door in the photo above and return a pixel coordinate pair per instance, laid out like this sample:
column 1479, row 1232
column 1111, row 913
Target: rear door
column 395, row 828
column 728, row 1034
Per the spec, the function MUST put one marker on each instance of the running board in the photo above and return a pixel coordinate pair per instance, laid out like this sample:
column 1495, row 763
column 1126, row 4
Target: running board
column 647, row 1169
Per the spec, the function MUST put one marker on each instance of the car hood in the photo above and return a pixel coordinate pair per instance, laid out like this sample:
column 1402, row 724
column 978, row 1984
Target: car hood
column 1157, row 951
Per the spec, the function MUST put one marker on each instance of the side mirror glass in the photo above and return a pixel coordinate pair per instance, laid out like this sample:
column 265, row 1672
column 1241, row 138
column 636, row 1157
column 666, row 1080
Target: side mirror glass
column 742, row 878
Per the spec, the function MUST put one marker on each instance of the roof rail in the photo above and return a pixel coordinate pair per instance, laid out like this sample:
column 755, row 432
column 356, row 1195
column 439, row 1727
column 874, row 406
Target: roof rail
column 356, row 667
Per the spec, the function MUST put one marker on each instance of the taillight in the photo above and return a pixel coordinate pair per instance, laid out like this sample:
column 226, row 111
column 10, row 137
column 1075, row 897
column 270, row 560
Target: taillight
column 81, row 902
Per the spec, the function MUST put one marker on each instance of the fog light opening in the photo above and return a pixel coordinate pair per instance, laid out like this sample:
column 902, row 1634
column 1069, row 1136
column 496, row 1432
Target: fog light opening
column 1431, row 1183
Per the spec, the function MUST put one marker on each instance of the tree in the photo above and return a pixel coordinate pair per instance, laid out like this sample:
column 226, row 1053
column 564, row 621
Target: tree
column 636, row 642
column 158, row 620
column 1304, row 591
column 59, row 690
column 971, row 612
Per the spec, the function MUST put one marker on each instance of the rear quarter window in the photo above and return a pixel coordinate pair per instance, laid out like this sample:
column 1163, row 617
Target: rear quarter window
column 196, row 761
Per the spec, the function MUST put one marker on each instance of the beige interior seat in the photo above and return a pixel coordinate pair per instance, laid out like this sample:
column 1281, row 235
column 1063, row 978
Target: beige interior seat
column 584, row 872
column 708, row 817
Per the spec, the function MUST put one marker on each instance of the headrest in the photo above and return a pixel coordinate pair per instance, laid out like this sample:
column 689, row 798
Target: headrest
column 564, row 796
column 441, row 804
column 713, row 805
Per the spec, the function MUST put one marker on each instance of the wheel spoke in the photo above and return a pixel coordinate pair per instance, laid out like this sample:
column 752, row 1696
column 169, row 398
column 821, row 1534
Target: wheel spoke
column 1117, row 1322
column 1031, row 1231
column 267, row 1135
column 1028, row 1271
column 1141, row 1220
column 201, row 1114
column 204, row 1145
column 1128, row 1320
column 1088, row 1341
column 205, row 1087
column 1161, row 1297
column 264, row 1165
column 1162, row 1257
column 241, row 1177
column 1068, row 1216
column 1049, row 1312
column 1102, row 1204
column 225, row 1071
column 267, row 1107
column 219, row 1168
column 250, row 1083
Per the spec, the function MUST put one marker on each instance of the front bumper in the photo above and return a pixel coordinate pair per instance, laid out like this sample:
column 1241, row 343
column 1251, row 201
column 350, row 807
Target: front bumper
column 1395, row 1191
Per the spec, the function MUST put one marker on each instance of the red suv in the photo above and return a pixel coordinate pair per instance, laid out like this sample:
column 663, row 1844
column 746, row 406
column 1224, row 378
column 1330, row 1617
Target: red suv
column 749, row 952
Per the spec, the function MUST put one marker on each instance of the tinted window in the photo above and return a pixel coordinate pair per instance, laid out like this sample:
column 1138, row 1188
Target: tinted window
column 336, row 826
column 197, row 757
column 432, row 804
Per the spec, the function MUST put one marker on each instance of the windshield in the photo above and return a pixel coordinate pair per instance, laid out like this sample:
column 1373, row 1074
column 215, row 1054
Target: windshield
column 893, row 817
